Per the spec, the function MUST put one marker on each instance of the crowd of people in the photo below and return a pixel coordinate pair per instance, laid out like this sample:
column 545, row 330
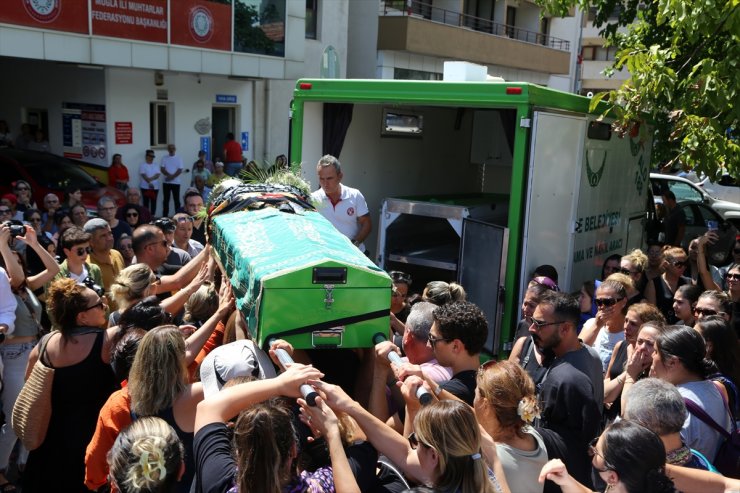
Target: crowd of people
column 158, row 386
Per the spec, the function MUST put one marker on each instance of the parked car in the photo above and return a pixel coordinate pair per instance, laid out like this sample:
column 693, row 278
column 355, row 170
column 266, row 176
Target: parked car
column 48, row 173
column 726, row 187
column 687, row 191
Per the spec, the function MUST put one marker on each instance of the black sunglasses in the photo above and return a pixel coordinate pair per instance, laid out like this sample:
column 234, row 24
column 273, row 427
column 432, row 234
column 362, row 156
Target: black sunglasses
column 592, row 451
column 628, row 272
column 132, row 214
column 96, row 305
column 704, row 312
column 607, row 301
column 83, row 251
column 4, row 211
column 678, row 263
column 543, row 323
column 733, row 277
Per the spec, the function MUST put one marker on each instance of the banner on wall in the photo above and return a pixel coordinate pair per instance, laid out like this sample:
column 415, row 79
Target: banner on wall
column 59, row 15
column 201, row 23
column 144, row 20
column 83, row 132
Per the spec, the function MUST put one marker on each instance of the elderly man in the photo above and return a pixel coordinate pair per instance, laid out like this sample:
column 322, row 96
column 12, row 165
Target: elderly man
column 183, row 233
column 133, row 201
column 51, row 204
column 103, row 255
column 343, row 206
column 193, row 206
column 107, row 210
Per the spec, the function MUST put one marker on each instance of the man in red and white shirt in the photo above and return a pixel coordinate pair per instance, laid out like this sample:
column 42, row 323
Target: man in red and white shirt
column 343, row 206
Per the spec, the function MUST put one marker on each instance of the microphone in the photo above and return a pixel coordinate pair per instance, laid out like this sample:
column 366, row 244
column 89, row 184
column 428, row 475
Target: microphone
column 308, row 392
column 421, row 393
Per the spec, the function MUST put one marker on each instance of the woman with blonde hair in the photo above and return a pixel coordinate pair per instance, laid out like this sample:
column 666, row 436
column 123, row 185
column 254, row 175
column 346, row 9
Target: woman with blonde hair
column 505, row 405
column 134, row 283
column 633, row 265
column 440, row 292
column 158, row 386
column 201, row 305
column 147, row 457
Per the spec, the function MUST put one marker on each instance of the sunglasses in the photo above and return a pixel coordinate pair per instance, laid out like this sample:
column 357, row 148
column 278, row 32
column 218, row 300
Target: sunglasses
column 434, row 340
column 83, row 251
column 733, row 277
column 607, row 301
column 399, row 276
column 132, row 214
column 4, row 211
column 705, row 312
column 543, row 323
column 185, row 219
column 678, row 263
column 628, row 272
column 592, row 451
column 100, row 303
column 414, row 441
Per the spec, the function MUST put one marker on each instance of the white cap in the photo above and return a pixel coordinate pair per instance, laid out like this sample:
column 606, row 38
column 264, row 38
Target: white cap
column 239, row 358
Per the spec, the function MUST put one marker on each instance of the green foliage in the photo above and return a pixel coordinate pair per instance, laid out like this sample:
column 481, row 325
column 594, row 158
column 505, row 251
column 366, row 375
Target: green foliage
column 683, row 58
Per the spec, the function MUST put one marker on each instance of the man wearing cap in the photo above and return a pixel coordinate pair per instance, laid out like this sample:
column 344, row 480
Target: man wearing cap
column 171, row 168
column 343, row 206
column 103, row 255
column 107, row 210
column 149, row 173
column 133, row 201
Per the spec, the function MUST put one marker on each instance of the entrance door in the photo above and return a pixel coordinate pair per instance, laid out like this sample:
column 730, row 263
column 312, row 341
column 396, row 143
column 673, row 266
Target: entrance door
column 224, row 121
column 482, row 270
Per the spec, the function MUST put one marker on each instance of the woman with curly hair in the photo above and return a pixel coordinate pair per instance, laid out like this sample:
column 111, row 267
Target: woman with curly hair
column 628, row 457
column 79, row 352
column 505, row 405
column 147, row 457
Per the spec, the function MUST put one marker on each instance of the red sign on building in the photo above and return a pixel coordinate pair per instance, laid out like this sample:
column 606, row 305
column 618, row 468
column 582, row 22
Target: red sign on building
column 201, row 23
column 144, row 20
column 59, row 15
column 124, row 132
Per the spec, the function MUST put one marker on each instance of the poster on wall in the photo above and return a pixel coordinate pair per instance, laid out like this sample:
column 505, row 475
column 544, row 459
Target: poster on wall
column 83, row 131
column 58, row 15
column 201, row 23
column 144, row 20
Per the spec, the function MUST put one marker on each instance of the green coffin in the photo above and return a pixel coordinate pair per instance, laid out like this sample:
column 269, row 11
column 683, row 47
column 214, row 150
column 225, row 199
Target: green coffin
column 296, row 277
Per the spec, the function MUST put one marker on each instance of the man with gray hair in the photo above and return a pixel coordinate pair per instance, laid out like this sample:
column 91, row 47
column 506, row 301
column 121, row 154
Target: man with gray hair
column 103, row 255
column 658, row 406
column 107, row 210
column 419, row 359
column 343, row 206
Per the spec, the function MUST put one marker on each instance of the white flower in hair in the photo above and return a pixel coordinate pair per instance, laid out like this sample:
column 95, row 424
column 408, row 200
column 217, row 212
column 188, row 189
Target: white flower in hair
column 527, row 410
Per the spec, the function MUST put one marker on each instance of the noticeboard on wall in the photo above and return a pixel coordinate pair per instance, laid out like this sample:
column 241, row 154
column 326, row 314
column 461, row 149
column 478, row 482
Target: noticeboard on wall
column 84, row 132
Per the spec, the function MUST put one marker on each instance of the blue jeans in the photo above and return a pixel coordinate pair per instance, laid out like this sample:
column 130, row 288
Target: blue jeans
column 232, row 169
column 15, row 359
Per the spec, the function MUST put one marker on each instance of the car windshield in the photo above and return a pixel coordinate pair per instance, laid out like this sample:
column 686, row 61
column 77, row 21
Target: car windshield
column 56, row 173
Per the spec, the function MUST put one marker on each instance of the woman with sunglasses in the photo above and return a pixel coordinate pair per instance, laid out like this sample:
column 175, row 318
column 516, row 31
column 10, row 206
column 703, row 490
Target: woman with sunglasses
column 125, row 246
column 679, row 358
column 660, row 291
column 24, row 196
column 713, row 303
column 634, row 264
column 628, row 457
column 75, row 244
column 505, row 405
column 606, row 329
column 79, row 351
column 132, row 217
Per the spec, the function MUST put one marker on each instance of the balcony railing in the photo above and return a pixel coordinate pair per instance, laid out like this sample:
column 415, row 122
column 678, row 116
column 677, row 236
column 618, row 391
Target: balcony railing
column 416, row 8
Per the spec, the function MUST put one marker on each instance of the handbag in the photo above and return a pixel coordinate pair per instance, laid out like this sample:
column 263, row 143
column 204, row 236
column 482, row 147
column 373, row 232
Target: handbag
column 727, row 460
column 32, row 409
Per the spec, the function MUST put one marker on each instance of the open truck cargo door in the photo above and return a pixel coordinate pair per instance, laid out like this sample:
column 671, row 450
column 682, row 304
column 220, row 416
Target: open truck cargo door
column 482, row 270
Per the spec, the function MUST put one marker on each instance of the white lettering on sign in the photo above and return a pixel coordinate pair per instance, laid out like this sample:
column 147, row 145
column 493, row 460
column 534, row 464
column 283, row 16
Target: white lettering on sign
column 145, row 8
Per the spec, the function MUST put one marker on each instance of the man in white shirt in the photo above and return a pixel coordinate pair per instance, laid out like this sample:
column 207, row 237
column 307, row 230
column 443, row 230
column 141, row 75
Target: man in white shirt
column 171, row 168
column 149, row 182
column 343, row 206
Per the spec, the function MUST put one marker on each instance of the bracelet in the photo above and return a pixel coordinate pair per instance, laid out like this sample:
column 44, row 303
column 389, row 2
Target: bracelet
column 438, row 390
